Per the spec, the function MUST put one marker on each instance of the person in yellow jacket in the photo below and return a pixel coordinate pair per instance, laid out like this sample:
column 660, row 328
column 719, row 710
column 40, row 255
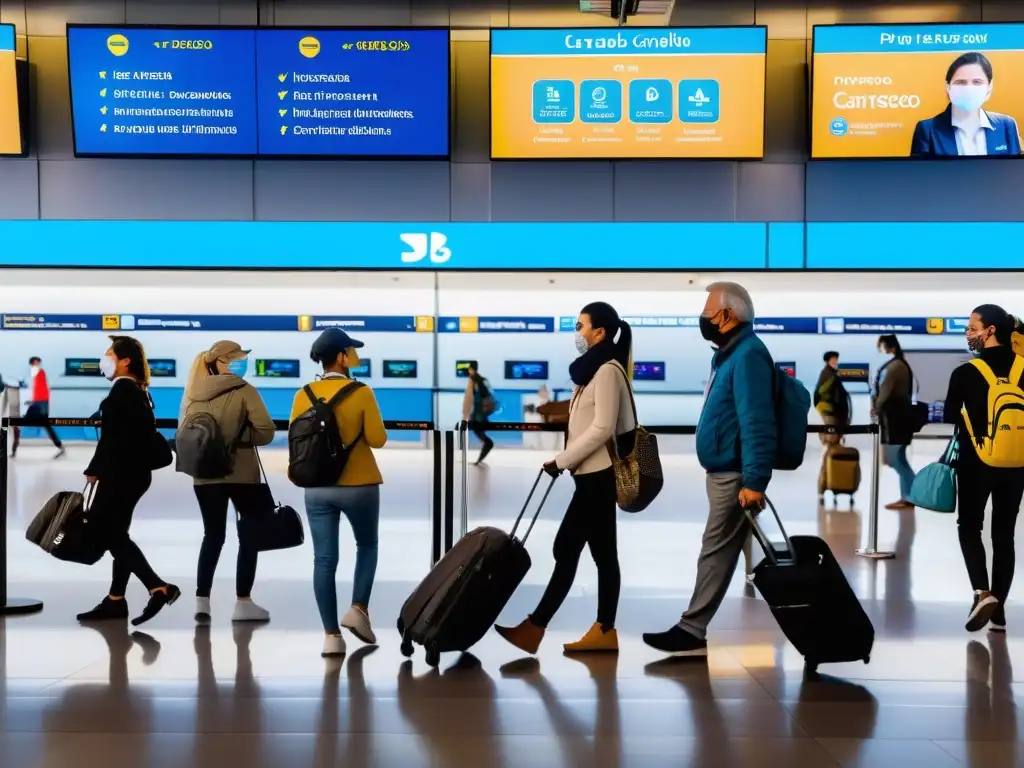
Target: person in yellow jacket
column 357, row 494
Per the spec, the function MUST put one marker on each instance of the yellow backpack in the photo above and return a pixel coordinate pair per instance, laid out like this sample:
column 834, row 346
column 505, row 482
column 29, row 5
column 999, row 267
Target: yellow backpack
column 1002, row 445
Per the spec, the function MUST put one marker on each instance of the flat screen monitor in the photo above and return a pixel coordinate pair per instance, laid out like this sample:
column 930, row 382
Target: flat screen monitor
column 649, row 371
column 363, row 371
column 353, row 93
column 274, row 368
column 462, row 367
column 899, row 90
column 787, row 367
column 11, row 138
column 526, row 370
column 82, row 366
column 854, row 373
column 163, row 368
column 151, row 91
column 628, row 93
column 400, row 369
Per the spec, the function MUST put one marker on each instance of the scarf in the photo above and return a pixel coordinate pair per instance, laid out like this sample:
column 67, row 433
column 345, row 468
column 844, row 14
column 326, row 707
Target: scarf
column 584, row 367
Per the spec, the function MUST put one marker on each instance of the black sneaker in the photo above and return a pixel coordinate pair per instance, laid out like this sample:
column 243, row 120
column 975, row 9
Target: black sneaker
column 998, row 621
column 982, row 609
column 677, row 642
column 157, row 600
column 106, row 611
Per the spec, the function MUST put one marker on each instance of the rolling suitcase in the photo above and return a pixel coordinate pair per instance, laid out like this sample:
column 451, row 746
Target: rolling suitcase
column 840, row 472
column 811, row 600
column 461, row 597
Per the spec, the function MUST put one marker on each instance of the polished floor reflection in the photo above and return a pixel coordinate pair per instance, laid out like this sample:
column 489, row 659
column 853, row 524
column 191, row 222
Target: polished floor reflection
column 182, row 695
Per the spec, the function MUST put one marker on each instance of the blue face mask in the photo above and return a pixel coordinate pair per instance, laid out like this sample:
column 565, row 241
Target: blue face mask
column 239, row 367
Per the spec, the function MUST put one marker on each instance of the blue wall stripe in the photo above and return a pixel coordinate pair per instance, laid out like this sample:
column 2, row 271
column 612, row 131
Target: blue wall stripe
column 785, row 245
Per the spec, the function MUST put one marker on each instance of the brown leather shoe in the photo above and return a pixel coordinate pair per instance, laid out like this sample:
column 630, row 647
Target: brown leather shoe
column 526, row 636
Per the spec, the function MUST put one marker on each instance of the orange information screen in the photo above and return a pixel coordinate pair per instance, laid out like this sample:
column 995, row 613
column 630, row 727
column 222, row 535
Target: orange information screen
column 10, row 120
column 627, row 92
column 917, row 90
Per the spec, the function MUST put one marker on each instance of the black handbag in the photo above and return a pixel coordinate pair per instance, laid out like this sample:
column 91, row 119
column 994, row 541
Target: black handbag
column 65, row 528
column 266, row 524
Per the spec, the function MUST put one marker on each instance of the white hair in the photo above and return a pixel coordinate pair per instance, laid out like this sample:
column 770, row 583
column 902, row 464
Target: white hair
column 735, row 298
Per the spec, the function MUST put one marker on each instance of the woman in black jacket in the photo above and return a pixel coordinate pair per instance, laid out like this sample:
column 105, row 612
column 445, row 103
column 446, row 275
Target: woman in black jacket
column 988, row 337
column 122, row 469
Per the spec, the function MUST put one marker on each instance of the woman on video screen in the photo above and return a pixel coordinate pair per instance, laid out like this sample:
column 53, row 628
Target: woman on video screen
column 963, row 128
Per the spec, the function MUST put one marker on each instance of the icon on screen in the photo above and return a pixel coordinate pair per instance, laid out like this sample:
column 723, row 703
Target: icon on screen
column 117, row 45
column 554, row 98
column 838, row 126
column 650, row 101
column 309, row 47
column 553, row 101
column 599, row 95
column 600, row 101
column 699, row 101
column 652, row 94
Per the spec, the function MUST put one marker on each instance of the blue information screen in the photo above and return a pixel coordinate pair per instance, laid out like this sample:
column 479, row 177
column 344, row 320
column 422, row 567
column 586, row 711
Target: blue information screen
column 277, row 369
column 654, row 371
column 150, row 91
column 462, row 368
column 163, row 368
column 82, row 366
column 363, row 371
column 353, row 92
column 535, row 370
column 400, row 369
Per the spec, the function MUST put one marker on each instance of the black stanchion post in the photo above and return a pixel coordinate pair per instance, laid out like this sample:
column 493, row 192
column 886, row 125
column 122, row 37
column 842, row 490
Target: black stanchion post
column 9, row 606
column 449, row 490
column 435, row 507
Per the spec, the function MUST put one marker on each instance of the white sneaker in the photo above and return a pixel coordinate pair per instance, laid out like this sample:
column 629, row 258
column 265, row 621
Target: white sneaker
column 203, row 610
column 334, row 645
column 247, row 610
column 357, row 622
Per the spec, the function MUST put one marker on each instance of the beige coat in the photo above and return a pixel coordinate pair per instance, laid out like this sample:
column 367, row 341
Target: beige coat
column 599, row 411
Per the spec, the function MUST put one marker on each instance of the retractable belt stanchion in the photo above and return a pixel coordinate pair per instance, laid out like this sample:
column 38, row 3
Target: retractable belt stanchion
column 9, row 606
column 436, row 502
column 872, row 551
column 449, row 490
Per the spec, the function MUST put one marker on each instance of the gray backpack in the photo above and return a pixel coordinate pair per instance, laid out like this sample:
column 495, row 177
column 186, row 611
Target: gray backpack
column 202, row 451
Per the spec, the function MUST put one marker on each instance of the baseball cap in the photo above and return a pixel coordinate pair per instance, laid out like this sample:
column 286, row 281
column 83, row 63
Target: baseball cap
column 330, row 343
column 229, row 350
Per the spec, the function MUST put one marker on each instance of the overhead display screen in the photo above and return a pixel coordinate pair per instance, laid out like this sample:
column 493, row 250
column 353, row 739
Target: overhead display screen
column 353, row 92
column 628, row 93
column 10, row 115
column 148, row 91
column 917, row 90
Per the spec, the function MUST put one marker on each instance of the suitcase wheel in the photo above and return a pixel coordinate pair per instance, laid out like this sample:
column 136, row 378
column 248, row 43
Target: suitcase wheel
column 406, row 647
column 433, row 657
column 811, row 667
column 867, row 659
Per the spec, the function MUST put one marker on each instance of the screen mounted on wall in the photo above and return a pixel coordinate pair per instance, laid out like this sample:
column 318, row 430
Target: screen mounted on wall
column 10, row 103
column 630, row 92
column 462, row 368
column 917, row 90
column 163, row 368
column 363, row 371
column 82, row 366
column 277, row 368
column 526, row 370
column 653, row 371
column 400, row 369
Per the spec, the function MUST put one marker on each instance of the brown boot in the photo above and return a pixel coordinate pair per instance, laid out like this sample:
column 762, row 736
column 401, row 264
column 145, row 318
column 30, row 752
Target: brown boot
column 526, row 636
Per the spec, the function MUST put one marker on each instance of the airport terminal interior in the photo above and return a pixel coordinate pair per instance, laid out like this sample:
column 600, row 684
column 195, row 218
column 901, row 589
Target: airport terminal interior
column 467, row 244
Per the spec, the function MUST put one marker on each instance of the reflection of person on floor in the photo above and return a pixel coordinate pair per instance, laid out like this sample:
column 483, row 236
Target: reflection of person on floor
column 477, row 406
column 991, row 712
column 601, row 411
column 359, row 706
column 736, row 444
column 39, row 403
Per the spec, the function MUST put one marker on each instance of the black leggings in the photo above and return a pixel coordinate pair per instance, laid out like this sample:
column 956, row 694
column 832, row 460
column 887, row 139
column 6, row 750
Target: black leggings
column 213, row 505
column 975, row 483
column 115, row 503
column 590, row 519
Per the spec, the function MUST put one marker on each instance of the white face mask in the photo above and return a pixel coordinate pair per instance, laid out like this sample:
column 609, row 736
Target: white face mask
column 107, row 367
column 581, row 343
column 968, row 97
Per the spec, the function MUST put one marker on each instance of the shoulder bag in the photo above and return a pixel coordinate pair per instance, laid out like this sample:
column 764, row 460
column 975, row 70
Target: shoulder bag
column 264, row 522
column 638, row 475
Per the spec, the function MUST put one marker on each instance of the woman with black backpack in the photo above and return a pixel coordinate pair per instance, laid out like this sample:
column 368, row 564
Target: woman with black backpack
column 477, row 405
column 355, row 492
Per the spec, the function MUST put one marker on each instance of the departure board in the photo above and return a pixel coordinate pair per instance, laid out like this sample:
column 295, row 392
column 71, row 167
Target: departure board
column 10, row 118
column 162, row 92
column 353, row 92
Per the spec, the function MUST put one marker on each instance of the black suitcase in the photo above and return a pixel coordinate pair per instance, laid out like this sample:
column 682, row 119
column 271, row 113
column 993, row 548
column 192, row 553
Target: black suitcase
column 461, row 597
column 810, row 598
column 63, row 528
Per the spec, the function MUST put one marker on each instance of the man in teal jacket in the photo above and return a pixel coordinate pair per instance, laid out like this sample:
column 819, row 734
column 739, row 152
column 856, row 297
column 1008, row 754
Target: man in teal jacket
column 736, row 445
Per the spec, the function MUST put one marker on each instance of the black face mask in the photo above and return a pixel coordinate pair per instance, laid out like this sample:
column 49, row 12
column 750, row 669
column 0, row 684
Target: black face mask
column 710, row 331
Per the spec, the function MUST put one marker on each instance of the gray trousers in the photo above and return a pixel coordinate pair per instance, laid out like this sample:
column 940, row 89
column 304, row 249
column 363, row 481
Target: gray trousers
column 726, row 535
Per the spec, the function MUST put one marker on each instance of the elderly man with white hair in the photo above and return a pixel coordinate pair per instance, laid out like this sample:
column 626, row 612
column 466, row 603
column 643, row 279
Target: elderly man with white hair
column 736, row 445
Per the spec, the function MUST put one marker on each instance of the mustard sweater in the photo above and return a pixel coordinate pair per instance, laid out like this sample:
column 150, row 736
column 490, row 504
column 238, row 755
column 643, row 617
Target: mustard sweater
column 358, row 411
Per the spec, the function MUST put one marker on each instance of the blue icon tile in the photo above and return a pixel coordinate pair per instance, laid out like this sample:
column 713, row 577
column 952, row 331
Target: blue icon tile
column 600, row 101
column 650, row 101
column 554, row 101
column 699, row 101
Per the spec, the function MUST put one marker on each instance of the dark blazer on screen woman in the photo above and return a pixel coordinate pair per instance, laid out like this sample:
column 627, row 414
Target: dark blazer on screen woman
column 936, row 136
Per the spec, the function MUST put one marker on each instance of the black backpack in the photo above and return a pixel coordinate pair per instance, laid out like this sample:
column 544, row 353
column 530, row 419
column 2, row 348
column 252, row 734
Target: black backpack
column 202, row 451
column 316, row 453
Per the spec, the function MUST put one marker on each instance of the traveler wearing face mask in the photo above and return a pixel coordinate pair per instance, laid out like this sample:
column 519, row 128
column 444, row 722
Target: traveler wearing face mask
column 39, row 403
column 891, row 400
column 122, row 472
column 216, row 387
column 478, row 405
column 600, row 411
column 988, row 338
column 736, row 445
column 964, row 129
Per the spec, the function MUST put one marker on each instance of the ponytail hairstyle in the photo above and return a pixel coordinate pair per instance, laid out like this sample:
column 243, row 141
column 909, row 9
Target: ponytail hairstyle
column 130, row 349
column 889, row 341
column 603, row 315
column 997, row 317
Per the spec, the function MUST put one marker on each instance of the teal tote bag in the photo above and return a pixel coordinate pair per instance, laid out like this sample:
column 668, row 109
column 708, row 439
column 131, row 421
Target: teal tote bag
column 934, row 487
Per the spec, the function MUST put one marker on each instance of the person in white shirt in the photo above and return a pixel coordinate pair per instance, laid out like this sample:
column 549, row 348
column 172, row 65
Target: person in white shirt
column 600, row 412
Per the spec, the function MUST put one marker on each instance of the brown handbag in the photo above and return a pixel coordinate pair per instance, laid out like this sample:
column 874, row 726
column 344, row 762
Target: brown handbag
column 638, row 475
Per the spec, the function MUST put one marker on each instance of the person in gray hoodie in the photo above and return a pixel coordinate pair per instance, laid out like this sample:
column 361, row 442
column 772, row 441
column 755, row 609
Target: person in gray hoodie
column 216, row 386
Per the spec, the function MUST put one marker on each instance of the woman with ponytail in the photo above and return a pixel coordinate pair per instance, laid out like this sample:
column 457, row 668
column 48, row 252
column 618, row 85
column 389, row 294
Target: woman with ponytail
column 600, row 411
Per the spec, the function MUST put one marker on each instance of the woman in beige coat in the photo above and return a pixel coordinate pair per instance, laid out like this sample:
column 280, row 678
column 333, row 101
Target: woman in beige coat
column 216, row 387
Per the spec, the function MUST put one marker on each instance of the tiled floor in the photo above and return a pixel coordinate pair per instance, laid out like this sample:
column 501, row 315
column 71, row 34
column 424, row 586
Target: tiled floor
column 182, row 695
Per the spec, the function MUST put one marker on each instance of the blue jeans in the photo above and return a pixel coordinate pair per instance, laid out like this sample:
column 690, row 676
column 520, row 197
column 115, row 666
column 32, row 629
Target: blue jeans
column 324, row 507
column 895, row 456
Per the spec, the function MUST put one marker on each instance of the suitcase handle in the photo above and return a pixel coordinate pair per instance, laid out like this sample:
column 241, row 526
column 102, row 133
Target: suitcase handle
column 762, row 539
column 527, row 504
column 88, row 493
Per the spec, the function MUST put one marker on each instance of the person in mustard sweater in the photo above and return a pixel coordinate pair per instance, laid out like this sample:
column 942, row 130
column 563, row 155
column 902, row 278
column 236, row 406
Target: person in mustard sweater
column 356, row 495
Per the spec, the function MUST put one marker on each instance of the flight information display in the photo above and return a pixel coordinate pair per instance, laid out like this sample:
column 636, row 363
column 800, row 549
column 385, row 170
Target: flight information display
column 277, row 368
column 533, row 370
column 462, row 368
column 162, row 368
column 353, row 92
column 10, row 118
column 82, row 366
column 400, row 369
column 652, row 371
column 363, row 371
column 151, row 91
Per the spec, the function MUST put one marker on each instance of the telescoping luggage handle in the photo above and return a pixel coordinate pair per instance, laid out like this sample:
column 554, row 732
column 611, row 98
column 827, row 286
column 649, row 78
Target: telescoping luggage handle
column 540, row 506
column 762, row 539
